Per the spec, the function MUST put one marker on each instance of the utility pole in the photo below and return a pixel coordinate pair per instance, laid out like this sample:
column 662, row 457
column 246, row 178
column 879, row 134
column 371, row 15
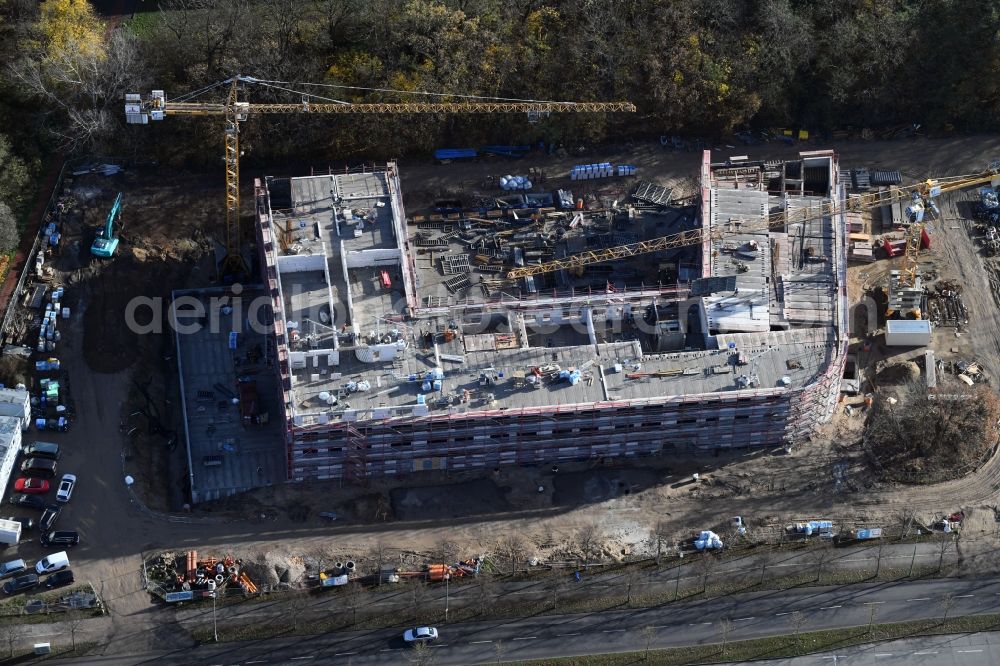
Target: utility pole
column 215, row 624
column 447, row 583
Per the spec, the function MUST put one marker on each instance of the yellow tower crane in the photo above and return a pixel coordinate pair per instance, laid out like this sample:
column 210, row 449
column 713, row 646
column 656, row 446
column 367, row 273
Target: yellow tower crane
column 141, row 109
column 926, row 190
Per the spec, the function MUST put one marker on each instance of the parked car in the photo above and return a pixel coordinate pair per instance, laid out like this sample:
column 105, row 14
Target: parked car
column 66, row 486
column 30, row 501
column 12, row 568
column 60, row 578
column 60, row 538
column 26, row 523
column 42, row 468
column 420, row 635
column 20, row 584
column 48, row 518
column 53, row 562
column 31, row 486
column 41, row 450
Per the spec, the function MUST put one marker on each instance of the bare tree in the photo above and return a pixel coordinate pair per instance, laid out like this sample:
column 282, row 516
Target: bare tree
column 878, row 562
column 418, row 598
column 74, row 624
column 943, row 546
column 820, row 557
column 725, row 626
column 762, row 561
column 513, row 548
column 677, row 580
column 485, row 592
column 447, row 551
column 947, row 603
column 633, row 576
column 85, row 85
column 706, row 565
column 12, row 633
column 797, row 620
column 648, row 635
column 378, row 556
column 295, row 606
column 557, row 586
column 661, row 536
column 872, row 609
column 353, row 599
column 587, row 539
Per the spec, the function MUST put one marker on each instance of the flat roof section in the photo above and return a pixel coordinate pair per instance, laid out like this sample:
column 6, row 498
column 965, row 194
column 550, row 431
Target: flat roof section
column 240, row 456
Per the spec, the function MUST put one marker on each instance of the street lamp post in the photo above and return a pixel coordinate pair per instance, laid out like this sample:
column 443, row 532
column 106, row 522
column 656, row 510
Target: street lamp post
column 447, row 594
column 215, row 625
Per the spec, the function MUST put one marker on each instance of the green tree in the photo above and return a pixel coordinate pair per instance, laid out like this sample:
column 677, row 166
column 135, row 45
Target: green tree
column 9, row 237
column 14, row 175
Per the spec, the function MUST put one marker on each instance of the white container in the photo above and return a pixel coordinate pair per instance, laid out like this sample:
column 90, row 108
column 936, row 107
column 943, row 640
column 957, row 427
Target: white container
column 907, row 333
column 65, row 313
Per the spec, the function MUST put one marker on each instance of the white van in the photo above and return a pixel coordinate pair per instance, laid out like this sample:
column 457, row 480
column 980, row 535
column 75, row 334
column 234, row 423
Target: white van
column 53, row 562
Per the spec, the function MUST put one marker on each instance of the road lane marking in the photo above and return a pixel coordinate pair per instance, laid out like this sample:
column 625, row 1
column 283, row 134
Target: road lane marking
column 256, row 662
column 962, row 596
column 873, row 602
column 479, row 642
column 779, row 614
column 883, row 654
column 437, row 646
column 337, row 654
column 925, row 653
column 660, row 626
column 613, row 631
column 920, row 599
column 704, row 623
column 739, row 619
column 389, row 649
column 576, row 634
column 968, row 650
column 829, row 607
column 297, row 658
column 524, row 638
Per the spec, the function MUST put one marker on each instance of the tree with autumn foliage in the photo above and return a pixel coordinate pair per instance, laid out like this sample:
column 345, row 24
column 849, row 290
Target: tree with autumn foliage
column 77, row 70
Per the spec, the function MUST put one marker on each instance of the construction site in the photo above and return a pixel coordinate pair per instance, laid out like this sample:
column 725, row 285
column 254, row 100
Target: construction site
column 408, row 341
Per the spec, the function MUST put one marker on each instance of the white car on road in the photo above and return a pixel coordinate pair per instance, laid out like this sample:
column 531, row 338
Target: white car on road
column 66, row 487
column 420, row 635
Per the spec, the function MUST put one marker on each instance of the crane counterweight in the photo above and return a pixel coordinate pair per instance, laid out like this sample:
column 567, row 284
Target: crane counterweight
column 139, row 110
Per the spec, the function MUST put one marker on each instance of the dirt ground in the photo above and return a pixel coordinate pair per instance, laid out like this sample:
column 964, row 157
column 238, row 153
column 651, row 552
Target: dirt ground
column 170, row 221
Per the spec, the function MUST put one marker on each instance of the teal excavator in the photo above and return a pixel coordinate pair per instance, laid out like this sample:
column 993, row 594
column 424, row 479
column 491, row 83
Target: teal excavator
column 107, row 238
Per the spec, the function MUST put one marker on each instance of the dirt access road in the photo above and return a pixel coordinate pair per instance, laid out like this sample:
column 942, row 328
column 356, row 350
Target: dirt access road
column 770, row 488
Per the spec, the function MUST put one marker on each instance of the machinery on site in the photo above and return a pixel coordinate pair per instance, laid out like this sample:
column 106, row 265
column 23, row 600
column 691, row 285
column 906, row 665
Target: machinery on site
column 925, row 191
column 107, row 237
column 140, row 110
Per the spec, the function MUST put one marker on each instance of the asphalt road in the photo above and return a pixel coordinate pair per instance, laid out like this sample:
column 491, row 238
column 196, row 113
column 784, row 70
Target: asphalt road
column 751, row 616
column 981, row 649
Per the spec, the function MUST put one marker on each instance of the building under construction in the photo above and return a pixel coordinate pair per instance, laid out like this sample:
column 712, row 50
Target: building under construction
column 401, row 344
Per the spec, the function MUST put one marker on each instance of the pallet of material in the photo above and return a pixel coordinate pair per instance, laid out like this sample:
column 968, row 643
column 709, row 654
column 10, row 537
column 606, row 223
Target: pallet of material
column 862, row 253
column 864, row 238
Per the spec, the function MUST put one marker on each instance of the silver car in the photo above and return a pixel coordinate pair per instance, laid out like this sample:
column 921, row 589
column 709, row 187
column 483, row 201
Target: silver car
column 420, row 635
column 66, row 486
column 8, row 569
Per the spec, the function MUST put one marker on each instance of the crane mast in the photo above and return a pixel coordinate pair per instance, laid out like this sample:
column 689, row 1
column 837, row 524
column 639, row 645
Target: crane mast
column 140, row 110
